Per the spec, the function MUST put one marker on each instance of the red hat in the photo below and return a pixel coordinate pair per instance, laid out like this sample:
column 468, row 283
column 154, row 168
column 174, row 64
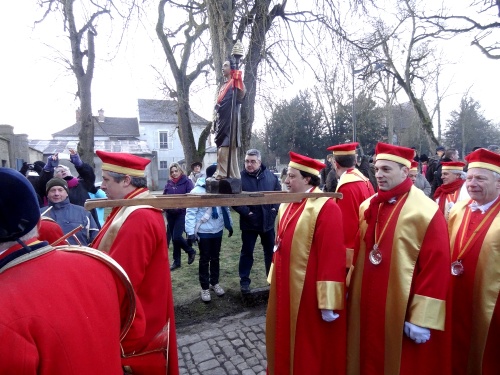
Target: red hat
column 123, row 163
column 483, row 158
column 414, row 165
column 452, row 166
column 398, row 154
column 344, row 149
column 305, row 163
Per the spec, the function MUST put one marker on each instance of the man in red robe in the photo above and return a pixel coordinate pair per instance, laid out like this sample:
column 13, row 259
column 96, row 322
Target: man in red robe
column 397, row 296
column 355, row 189
column 306, row 320
column 61, row 311
column 452, row 190
column 135, row 237
column 475, row 242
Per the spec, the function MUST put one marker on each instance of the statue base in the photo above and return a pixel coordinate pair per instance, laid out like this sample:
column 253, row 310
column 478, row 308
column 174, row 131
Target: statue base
column 224, row 186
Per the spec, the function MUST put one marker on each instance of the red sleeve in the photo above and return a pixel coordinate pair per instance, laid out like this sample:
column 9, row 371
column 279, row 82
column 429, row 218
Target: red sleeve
column 349, row 206
column 135, row 243
column 329, row 244
column 432, row 271
column 19, row 355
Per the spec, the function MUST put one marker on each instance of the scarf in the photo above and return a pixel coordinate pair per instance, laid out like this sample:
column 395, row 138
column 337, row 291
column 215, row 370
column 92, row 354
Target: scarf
column 72, row 181
column 382, row 197
column 443, row 190
column 175, row 180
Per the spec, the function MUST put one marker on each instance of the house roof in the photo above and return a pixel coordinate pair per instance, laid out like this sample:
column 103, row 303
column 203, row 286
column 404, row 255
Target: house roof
column 132, row 146
column 111, row 127
column 165, row 111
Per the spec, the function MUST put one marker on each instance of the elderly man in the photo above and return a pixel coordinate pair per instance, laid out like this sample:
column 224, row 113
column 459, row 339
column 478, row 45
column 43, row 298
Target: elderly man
column 135, row 237
column 474, row 236
column 69, row 216
column 305, row 320
column 418, row 179
column 397, row 296
column 258, row 220
column 62, row 311
column 355, row 189
column 453, row 189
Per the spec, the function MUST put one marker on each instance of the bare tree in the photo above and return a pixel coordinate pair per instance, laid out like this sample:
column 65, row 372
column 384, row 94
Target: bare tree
column 481, row 21
column 193, row 29
column 230, row 22
column 83, row 53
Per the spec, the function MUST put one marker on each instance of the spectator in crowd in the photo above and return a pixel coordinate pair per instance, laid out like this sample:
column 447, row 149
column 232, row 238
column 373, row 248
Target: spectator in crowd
column 324, row 172
column 135, row 237
column 100, row 211
column 80, row 187
column 283, row 178
column 32, row 173
column 61, row 312
column 69, row 216
column 424, row 160
column 433, row 164
column 397, row 295
column 205, row 225
column 474, row 239
column 306, row 319
column 258, row 220
column 494, row 148
column 196, row 172
column 418, row 179
column 178, row 183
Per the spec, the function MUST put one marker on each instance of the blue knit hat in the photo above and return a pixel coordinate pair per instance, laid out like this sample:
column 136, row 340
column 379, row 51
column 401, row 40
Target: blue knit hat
column 19, row 211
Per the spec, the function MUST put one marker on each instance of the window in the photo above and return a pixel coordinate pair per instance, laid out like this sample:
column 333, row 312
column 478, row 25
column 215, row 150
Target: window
column 163, row 164
column 163, row 140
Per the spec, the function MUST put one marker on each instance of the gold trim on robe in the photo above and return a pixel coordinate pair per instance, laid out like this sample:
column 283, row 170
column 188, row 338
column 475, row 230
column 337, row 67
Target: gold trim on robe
column 405, row 250
column 330, row 295
column 122, row 215
column 427, row 312
column 351, row 176
column 486, row 284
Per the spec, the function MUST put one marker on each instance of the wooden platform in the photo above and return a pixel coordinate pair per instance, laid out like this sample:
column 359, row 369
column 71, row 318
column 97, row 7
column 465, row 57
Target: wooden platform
column 209, row 200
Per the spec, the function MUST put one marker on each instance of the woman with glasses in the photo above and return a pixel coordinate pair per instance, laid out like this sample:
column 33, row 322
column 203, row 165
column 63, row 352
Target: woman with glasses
column 178, row 183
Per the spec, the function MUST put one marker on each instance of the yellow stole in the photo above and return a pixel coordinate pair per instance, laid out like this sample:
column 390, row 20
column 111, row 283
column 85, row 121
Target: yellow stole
column 122, row 215
column 411, row 226
column 486, row 283
column 351, row 176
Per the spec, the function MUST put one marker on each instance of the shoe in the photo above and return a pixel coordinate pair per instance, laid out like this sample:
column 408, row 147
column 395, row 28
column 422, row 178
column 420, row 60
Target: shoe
column 174, row 266
column 191, row 257
column 205, row 295
column 245, row 289
column 217, row 289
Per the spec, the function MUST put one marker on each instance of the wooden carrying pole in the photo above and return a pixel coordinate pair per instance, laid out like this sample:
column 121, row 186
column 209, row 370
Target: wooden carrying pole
column 209, row 200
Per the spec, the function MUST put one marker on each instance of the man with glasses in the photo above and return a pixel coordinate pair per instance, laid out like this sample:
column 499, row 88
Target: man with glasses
column 256, row 220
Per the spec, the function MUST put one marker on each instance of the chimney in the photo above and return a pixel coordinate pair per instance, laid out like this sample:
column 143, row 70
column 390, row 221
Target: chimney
column 78, row 115
column 101, row 115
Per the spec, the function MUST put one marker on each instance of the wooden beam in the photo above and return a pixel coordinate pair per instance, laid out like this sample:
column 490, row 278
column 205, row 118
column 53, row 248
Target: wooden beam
column 209, row 200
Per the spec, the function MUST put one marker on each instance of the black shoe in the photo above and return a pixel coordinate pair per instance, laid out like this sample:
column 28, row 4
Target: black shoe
column 191, row 257
column 245, row 289
column 174, row 266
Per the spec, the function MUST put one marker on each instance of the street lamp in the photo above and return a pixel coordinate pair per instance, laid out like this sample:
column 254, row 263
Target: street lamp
column 377, row 66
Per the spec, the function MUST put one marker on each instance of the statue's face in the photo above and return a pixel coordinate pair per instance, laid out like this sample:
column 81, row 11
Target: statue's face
column 226, row 69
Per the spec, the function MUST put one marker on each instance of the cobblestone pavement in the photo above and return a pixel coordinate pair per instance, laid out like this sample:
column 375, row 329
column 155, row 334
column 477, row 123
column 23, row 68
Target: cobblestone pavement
column 234, row 345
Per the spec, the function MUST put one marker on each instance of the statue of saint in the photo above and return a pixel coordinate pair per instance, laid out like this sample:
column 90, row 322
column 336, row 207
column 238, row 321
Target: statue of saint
column 225, row 125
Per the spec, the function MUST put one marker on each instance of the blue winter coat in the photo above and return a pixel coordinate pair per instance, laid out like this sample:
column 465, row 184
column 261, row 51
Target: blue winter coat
column 263, row 216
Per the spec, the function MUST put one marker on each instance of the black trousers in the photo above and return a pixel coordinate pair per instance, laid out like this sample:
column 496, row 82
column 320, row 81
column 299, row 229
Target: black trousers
column 209, row 266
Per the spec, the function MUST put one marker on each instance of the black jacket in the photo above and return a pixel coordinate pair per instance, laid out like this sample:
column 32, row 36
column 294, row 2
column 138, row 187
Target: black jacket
column 263, row 216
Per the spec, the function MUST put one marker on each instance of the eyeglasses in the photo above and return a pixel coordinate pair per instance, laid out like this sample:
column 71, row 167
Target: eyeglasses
column 251, row 161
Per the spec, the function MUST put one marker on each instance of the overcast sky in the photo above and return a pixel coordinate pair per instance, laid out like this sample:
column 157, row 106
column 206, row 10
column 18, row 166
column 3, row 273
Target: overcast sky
column 37, row 92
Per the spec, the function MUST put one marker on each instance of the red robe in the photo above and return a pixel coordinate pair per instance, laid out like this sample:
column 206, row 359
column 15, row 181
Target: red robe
column 410, row 284
column 355, row 189
column 307, row 275
column 475, row 304
column 136, row 238
column 60, row 314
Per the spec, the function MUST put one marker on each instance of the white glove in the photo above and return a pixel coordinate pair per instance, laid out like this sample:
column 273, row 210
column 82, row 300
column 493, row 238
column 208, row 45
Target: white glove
column 329, row 315
column 418, row 334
